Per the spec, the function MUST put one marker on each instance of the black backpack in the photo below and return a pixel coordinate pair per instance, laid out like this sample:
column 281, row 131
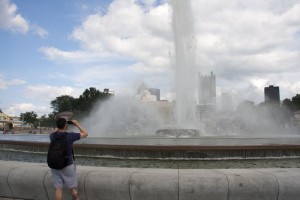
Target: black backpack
column 57, row 157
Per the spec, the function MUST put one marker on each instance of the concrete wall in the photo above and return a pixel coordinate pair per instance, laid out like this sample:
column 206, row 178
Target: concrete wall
column 19, row 180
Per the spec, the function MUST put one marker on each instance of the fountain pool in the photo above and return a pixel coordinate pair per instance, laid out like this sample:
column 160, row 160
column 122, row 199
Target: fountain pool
column 161, row 152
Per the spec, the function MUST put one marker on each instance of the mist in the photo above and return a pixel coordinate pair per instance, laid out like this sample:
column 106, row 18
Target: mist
column 250, row 119
column 122, row 116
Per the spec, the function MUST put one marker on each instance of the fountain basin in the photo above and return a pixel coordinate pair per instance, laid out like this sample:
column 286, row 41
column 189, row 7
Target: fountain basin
column 166, row 148
column 172, row 132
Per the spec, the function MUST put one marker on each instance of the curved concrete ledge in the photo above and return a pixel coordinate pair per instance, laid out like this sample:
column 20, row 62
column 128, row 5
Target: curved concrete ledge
column 165, row 151
column 20, row 180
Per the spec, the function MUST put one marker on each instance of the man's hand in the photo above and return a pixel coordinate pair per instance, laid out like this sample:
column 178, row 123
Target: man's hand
column 83, row 132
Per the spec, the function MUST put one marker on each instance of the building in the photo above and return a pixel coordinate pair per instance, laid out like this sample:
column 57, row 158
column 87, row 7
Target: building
column 272, row 94
column 206, row 96
column 4, row 121
column 3, row 116
column 107, row 91
column 151, row 97
column 147, row 94
column 155, row 92
column 7, row 122
column 207, row 89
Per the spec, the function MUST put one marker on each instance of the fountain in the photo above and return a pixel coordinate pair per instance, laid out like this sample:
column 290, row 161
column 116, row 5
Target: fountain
column 133, row 134
column 185, row 73
column 126, row 128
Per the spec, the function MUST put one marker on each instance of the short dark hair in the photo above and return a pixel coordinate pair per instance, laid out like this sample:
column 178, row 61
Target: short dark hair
column 61, row 122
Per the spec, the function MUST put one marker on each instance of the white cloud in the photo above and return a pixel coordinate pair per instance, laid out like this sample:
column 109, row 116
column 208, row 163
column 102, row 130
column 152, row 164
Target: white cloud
column 4, row 84
column 126, row 31
column 246, row 43
column 17, row 109
column 243, row 31
column 80, row 56
column 292, row 16
column 249, row 44
column 41, row 96
column 54, row 53
column 43, row 33
column 10, row 19
column 47, row 92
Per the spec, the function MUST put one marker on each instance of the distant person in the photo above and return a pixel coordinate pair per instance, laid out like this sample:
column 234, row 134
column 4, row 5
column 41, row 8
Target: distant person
column 67, row 175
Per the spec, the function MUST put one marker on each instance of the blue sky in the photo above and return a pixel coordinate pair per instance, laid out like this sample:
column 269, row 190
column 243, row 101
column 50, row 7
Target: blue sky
column 52, row 48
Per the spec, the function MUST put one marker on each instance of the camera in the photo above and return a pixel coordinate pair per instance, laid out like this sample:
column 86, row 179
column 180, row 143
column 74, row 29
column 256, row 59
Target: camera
column 70, row 122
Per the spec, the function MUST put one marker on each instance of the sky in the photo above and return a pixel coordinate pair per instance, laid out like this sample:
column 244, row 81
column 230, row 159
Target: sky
column 54, row 48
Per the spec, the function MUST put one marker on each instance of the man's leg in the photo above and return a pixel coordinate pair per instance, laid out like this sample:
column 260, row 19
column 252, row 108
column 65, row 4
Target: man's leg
column 58, row 193
column 74, row 193
column 58, row 184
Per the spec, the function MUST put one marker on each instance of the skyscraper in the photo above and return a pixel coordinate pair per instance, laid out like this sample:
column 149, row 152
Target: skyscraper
column 207, row 89
column 155, row 92
column 272, row 94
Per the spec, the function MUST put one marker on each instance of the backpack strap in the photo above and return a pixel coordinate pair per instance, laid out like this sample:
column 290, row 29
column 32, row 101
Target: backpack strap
column 73, row 155
column 72, row 152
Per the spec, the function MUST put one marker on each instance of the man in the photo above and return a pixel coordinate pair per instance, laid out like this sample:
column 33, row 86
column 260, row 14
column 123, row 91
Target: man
column 67, row 176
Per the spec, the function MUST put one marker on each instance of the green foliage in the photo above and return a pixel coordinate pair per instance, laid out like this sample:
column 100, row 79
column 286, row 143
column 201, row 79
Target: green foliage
column 63, row 103
column 296, row 102
column 264, row 116
column 48, row 121
column 88, row 99
column 79, row 106
column 29, row 117
column 287, row 104
column 292, row 105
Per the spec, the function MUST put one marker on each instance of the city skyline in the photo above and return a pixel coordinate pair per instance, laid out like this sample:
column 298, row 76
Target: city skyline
column 61, row 48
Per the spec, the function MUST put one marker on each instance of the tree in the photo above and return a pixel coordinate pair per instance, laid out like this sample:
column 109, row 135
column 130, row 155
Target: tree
column 79, row 106
column 48, row 121
column 288, row 106
column 29, row 117
column 88, row 99
column 63, row 103
column 287, row 103
column 292, row 105
column 296, row 102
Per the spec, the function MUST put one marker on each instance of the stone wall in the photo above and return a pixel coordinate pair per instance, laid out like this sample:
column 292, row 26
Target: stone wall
column 20, row 180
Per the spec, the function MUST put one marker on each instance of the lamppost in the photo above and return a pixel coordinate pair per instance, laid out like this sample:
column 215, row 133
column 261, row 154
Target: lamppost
column 22, row 124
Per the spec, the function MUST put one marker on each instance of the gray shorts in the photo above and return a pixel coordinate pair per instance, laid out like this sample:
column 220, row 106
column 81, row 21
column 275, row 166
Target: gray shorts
column 65, row 176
